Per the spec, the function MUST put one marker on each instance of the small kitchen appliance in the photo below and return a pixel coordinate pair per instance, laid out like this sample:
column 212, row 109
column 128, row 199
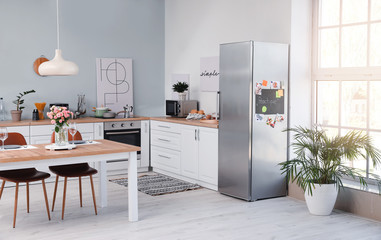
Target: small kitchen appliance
column 178, row 108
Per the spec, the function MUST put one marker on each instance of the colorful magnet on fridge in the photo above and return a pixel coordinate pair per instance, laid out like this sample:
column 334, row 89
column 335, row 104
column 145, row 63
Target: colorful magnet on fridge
column 264, row 109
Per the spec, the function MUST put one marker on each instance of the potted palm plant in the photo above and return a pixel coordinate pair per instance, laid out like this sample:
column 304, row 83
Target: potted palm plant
column 16, row 114
column 180, row 88
column 318, row 166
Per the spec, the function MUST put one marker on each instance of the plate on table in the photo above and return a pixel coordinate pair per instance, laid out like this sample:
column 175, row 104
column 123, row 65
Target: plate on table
column 12, row 146
column 55, row 147
column 76, row 142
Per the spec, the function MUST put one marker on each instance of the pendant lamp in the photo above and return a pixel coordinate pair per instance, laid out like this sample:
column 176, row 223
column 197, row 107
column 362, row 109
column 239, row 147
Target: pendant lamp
column 58, row 66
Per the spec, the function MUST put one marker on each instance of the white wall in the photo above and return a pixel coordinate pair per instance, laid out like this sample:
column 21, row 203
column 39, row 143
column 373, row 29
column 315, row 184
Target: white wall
column 195, row 28
column 300, row 109
column 300, row 63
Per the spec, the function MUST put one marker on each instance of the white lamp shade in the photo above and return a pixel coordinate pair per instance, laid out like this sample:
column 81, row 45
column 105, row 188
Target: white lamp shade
column 58, row 66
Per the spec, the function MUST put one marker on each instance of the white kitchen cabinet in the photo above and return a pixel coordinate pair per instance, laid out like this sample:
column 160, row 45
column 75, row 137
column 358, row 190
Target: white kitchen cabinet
column 144, row 139
column 166, row 126
column 85, row 127
column 41, row 130
column 208, row 155
column 186, row 152
column 165, row 159
column 24, row 130
column 41, row 134
column 98, row 131
column 189, row 151
column 199, row 153
column 166, row 139
column 40, row 139
column 165, row 146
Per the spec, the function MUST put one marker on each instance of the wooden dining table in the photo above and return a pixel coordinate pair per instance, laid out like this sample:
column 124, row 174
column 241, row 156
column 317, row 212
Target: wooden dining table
column 98, row 151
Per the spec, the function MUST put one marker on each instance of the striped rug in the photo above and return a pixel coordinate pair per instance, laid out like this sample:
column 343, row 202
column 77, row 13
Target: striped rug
column 158, row 184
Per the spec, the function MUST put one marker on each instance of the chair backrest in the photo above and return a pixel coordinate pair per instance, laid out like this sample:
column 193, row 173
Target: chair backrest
column 77, row 136
column 15, row 138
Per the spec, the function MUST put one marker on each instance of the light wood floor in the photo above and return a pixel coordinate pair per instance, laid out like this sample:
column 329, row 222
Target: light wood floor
column 200, row 214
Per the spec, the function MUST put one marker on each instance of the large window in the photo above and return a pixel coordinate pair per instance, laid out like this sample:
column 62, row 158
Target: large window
column 347, row 69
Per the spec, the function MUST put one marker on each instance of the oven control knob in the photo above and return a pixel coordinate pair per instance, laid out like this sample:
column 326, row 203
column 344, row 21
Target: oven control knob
column 122, row 125
column 113, row 125
column 131, row 124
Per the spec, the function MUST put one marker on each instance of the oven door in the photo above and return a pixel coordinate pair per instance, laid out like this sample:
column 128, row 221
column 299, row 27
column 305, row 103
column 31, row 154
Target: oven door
column 171, row 108
column 129, row 136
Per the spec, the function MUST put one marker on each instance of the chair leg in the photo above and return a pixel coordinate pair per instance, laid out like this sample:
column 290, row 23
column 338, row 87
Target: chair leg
column 27, row 197
column 46, row 198
column 64, row 197
column 55, row 193
column 2, row 188
column 15, row 210
column 92, row 190
column 80, row 190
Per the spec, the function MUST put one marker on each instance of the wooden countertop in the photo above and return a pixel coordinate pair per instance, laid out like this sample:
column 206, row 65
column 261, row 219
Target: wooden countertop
column 96, row 120
column 185, row 121
column 40, row 153
column 78, row 120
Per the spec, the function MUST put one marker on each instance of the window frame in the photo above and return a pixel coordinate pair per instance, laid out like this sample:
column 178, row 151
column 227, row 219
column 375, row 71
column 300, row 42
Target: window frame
column 342, row 74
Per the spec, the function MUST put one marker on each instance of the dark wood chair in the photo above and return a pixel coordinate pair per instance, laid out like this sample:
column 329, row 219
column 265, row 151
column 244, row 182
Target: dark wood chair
column 73, row 170
column 22, row 176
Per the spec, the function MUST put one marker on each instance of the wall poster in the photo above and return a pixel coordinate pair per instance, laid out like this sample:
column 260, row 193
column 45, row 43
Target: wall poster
column 210, row 74
column 114, row 83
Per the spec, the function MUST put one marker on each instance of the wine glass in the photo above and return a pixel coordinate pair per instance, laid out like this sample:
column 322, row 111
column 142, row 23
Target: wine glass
column 3, row 135
column 73, row 130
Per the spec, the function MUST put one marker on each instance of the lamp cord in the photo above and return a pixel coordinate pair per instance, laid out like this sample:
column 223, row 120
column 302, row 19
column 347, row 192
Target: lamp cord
column 58, row 29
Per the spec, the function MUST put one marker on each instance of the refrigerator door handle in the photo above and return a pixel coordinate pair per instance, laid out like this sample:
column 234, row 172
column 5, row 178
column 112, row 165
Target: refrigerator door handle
column 195, row 134
column 218, row 106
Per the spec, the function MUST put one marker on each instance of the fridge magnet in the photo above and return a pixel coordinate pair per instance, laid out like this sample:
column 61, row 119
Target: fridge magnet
column 277, row 94
column 279, row 118
column 280, row 92
column 264, row 83
column 264, row 109
column 275, row 85
column 259, row 117
column 270, row 122
column 258, row 89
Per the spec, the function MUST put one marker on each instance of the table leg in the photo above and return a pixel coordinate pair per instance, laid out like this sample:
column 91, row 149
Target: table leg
column 132, row 187
column 103, row 184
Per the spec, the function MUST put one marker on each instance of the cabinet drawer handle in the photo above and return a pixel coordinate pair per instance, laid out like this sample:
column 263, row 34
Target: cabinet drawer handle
column 164, row 156
column 163, row 126
column 164, row 140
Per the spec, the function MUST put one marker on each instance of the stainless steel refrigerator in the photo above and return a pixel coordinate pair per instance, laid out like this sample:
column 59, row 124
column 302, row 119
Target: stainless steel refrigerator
column 253, row 114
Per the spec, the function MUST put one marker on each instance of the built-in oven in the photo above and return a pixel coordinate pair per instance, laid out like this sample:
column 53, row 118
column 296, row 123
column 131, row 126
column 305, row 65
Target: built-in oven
column 124, row 132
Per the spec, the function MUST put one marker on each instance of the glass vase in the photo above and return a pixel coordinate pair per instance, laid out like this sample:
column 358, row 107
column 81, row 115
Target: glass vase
column 61, row 137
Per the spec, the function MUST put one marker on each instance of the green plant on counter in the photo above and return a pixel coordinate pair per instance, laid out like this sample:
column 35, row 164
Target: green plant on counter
column 180, row 87
column 319, row 158
column 19, row 101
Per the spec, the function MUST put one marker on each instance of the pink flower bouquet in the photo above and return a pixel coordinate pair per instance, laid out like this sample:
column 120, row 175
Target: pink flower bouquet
column 59, row 116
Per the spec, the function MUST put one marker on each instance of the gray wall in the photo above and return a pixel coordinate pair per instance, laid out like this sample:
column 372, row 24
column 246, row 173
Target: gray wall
column 89, row 29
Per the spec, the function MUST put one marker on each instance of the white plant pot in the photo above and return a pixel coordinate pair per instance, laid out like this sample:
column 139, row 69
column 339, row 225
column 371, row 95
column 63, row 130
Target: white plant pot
column 323, row 199
column 182, row 96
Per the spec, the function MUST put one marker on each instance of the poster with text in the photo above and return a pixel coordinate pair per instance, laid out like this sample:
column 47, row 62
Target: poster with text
column 210, row 74
column 114, row 83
